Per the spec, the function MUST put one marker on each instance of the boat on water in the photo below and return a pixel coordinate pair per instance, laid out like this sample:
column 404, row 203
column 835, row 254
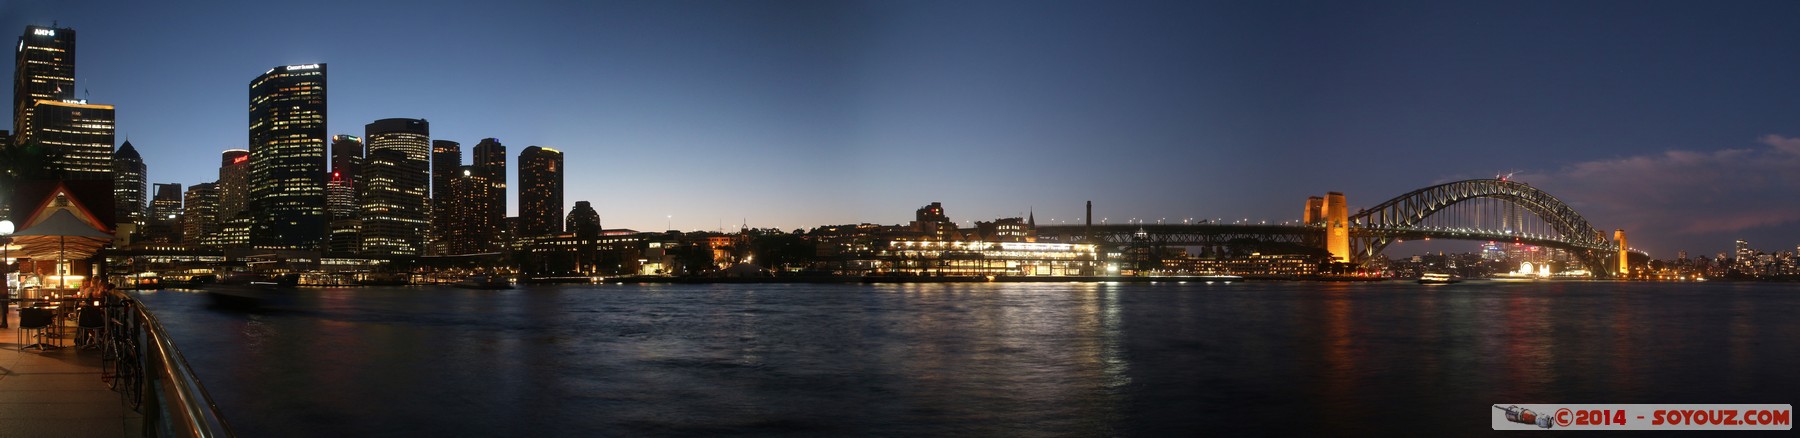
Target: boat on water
column 1212, row 278
column 483, row 282
column 251, row 291
column 1438, row 278
column 384, row 279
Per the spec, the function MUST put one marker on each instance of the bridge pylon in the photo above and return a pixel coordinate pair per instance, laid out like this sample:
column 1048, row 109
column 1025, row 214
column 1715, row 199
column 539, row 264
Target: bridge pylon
column 1333, row 215
column 1624, row 264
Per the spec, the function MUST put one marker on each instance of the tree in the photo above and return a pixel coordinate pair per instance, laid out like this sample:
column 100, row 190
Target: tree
column 31, row 161
column 778, row 250
column 693, row 258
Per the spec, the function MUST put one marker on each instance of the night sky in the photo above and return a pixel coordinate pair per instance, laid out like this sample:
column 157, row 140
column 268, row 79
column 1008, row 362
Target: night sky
column 1678, row 121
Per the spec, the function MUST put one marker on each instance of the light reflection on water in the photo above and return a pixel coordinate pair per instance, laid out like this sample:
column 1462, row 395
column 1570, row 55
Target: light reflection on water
column 975, row 359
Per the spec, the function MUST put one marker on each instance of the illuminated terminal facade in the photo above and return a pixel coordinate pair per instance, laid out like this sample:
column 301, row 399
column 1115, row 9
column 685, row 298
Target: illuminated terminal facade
column 1253, row 265
column 977, row 258
column 287, row 157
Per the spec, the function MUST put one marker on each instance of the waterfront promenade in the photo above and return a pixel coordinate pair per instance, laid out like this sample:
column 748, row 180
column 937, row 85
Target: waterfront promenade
column 57, row 392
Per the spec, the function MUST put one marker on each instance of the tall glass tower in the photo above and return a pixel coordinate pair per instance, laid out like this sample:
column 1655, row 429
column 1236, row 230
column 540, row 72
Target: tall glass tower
column 540, row 192
column 43, row 69
column 395, row 186
column 130, row 189
column 287, row 157
column 490, row 166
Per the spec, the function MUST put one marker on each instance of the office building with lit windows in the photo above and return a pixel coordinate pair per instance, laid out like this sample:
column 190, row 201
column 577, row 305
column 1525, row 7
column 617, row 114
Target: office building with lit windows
column 130, row 189
column 200, row 215
column 80, row 136
column 446, row 165
column 345, row 229
column 43, row 69
column 234, row 183
column 489, row 164
column 165, row 215
column 540, row 192
column 395, row 187
column 346, row 156
column 287, row 157
column 584, row 221
column 468, row 227
column 340, row 197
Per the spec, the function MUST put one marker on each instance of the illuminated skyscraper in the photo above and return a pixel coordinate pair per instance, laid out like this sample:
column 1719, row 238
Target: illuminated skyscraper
column 490, row 165
column 396, row 186
column 583, row 220
column 234, row 183
column 200, row 218
column 347, row 156
column 468, row 229
column 346, row 163
column 446, row 164
column 165, row 214
column 340, row 197
column 80, row 135
column 129, row 187
column 287, row 157
column 43, row 69
column 540, row 191
column 345, row 227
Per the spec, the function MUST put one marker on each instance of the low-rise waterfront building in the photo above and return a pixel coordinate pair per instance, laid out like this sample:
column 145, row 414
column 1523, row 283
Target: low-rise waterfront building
column 980, row 258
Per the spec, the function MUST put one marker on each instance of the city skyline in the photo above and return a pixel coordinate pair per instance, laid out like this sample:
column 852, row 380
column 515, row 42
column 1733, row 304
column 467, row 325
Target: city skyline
column 997, row 113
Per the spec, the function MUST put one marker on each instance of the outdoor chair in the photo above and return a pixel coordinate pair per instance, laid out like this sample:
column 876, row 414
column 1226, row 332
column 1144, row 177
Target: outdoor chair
column 87, row 327
column 37, row 320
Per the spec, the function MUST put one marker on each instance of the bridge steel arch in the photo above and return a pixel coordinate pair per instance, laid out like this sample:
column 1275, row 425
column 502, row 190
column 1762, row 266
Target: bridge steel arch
column 1383, row 224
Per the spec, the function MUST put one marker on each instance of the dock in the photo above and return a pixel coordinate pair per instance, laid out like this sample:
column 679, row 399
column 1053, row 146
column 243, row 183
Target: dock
column 57, row 392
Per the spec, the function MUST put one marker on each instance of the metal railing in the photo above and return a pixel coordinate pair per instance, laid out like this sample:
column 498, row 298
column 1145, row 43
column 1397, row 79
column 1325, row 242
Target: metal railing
column 174, row 403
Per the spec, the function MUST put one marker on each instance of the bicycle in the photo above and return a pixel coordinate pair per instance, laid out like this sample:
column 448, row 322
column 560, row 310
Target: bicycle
column 120, row 347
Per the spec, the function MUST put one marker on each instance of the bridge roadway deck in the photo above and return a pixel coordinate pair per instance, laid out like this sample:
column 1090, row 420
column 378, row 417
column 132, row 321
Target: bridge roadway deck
column 57, row 393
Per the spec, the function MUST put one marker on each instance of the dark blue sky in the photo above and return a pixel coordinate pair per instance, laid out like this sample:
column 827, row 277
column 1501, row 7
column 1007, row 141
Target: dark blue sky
column 1674, row 120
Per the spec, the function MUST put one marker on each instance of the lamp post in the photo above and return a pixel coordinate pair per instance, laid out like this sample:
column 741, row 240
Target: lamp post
column 6, row 230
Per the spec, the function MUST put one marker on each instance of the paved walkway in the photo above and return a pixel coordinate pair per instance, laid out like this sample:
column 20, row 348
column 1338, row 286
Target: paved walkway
column 57, row 393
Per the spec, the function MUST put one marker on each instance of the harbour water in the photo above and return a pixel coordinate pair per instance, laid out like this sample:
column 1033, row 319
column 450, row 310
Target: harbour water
column 1041, row 359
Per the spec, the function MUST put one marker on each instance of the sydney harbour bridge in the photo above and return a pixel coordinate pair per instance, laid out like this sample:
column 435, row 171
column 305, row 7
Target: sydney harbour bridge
column 1497, row 210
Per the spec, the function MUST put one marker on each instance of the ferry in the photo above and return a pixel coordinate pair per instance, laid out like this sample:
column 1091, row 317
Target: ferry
column 484, row 282
column 247, row 291
column 1438, row 278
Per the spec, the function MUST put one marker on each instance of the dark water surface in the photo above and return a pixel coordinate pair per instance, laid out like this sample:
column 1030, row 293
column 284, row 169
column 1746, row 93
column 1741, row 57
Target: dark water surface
column 977, row 359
